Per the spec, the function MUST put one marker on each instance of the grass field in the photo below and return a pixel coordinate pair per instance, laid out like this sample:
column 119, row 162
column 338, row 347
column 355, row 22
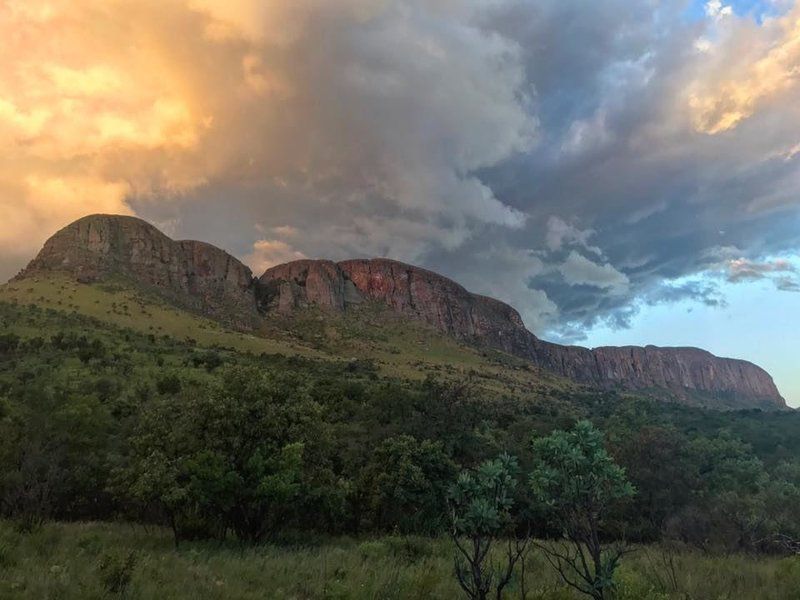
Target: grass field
column 125, row 307
column 84, row 561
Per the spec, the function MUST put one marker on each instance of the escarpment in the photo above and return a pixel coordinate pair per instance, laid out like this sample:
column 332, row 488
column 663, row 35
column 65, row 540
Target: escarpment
column 686, row 374
column 193, row 275
column 204, row 278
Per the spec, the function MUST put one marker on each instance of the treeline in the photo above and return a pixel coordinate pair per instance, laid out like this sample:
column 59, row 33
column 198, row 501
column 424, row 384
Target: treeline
column 103, row 423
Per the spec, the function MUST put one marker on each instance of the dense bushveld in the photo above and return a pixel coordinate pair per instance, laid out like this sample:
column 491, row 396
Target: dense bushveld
column 233, row 452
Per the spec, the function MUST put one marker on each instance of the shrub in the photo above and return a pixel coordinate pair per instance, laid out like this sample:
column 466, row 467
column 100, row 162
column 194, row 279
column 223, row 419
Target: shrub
column 372, row 549
column 115, row 570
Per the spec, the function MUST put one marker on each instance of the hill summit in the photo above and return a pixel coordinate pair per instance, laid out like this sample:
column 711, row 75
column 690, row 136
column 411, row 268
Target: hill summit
column 202, row 278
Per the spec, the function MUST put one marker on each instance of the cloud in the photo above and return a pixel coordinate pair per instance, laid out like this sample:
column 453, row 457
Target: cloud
column 717, row 10
column 742, row 269
column 753, row 66
column 286, row 231
column 579, row 270
column 504, row 272
column 579, row 160
column 268, row 253
column 787, row 284
column 383, row 110
column 657, row 193
column 780, row 271
column 560, row 233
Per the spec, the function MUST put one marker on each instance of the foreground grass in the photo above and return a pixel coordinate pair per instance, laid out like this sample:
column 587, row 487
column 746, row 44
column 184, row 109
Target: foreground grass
column 101, row 560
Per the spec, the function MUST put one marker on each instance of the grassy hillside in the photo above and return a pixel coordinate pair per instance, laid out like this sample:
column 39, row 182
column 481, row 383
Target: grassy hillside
column 120, row 304
column 398, row 347
column 314, row 458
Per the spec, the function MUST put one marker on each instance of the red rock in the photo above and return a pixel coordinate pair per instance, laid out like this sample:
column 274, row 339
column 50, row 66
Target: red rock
column 687, row 374
column 195, row 275
column 206, row 279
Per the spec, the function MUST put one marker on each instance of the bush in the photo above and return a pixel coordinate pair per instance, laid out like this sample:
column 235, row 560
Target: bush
column 372, row 549
column 8, row 343
column 409, row 548
column 168, row 384
column 630, row 585
column 115, row 570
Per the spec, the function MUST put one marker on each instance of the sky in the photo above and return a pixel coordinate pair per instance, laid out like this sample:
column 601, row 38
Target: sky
column 622, row 172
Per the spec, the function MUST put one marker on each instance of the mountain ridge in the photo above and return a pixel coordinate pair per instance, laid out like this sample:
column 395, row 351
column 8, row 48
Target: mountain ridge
column 204, row 278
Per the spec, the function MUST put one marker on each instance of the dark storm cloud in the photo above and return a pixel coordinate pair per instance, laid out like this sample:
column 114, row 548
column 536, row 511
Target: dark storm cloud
column 617, row 157
column 619, row 200
column 578, row 160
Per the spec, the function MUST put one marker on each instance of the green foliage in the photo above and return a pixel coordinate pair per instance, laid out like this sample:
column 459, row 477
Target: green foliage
column 481, row 501
column 102, row 421
column 658, row 462
column 228, row 457
column 168, row 384
column 575, row 483
column 480, row 508
column 407, row 481
column 575, row 474
column 52, row 445
column 9, row 342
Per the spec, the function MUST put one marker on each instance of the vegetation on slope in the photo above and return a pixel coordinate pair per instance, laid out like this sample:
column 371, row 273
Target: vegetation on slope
column 151, row 416
column 398, row 347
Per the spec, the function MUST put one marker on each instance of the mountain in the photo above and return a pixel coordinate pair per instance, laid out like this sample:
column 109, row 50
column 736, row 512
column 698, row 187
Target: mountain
column 193, row 275
column 204, row 279
column 678, row 372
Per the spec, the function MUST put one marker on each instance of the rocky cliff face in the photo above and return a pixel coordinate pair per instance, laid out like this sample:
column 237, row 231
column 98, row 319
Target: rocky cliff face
column 194, row 275
column 206, row 279
column 411, row 291
column 686, row 374
column 690, row 375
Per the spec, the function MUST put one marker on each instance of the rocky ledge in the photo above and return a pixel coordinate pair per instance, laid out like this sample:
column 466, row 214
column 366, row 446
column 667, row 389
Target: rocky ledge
column 193, row 275
column 689, row 375
column 204, row 278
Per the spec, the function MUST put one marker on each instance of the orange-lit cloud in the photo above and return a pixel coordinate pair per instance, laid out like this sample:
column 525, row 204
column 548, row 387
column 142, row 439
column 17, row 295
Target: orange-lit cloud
column 88, row 113
column 751, row 67
column 268, row 253
column 104, row 100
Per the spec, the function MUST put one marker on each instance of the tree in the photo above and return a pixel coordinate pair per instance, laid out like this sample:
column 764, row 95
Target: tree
column 782, row 499
column 727, row 505
column 575, row 483
column 658, row 464
column 9, row 342
column 480, row 510
column 408, row 483
column 53, row 454
column 227, row 458
column 168, row 383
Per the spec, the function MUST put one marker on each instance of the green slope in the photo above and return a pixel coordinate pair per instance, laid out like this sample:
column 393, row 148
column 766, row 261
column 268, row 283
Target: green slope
column 397, row 346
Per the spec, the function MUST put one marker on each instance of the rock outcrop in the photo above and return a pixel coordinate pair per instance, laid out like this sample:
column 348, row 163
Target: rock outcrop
column 411, row 291
column 206, row 279
column 686, row 374
column 194, row 275
column 690, row 375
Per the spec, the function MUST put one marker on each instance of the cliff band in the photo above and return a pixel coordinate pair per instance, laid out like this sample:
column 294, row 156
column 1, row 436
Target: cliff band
column 203, row 278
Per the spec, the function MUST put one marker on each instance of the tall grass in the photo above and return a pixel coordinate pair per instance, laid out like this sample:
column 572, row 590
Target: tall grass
column 101, row 560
